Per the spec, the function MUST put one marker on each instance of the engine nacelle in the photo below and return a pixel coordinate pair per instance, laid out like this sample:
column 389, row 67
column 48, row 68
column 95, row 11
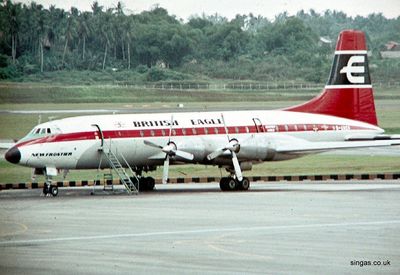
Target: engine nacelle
column 257, row 148
column 195, row 146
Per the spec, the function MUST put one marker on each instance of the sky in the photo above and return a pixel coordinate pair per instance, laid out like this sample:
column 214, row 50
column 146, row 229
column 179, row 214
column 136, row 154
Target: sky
column 184, row 9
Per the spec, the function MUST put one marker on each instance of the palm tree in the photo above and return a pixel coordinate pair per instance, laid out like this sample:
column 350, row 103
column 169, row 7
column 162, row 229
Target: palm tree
column 42, row 28
column 119, row 22
column 13, row 11
column 96, row 8
column 129, row 36
column 106, row 32
column 69, row 30
column 83, row 30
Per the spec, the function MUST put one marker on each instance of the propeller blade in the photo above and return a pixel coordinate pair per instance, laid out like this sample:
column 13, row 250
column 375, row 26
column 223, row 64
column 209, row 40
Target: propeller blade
column 226, row 128
column 236, row 166
column 170, row 128
column 233, row 145
column 169, row 148
column 149, row 143
column 184, row 155
column 216, row 154
column 165, row 170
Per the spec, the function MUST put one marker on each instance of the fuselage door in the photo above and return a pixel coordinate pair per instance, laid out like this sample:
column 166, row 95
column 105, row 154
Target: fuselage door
column 99, row 135
column 259, row 126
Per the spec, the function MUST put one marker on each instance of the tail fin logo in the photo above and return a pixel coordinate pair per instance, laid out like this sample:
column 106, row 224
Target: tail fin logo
column 352, row 69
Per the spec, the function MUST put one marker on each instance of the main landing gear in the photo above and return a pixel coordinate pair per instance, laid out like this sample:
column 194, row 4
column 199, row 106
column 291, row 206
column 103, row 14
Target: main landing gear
column 233, row 184
column 145, row 183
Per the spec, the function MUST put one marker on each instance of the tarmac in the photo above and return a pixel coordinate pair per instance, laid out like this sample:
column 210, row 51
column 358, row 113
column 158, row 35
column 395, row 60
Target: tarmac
column 274, row 228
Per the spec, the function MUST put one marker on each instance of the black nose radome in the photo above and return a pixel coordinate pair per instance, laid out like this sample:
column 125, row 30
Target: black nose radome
column 13, row 155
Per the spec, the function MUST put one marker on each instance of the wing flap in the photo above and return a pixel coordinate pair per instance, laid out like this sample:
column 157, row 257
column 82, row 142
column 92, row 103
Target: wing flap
column 304, row 147
column 371, row 137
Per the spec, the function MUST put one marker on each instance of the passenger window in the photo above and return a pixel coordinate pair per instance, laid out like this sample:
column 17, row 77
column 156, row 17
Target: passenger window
column 206, row 131
column 237, row 130
column 183, row 132
column 286, row 128
column 194, row 131
column 141, row 133
column 247, row 129
column 216, row 130
column 152, row 133
column 173, row 132
column 163, row 132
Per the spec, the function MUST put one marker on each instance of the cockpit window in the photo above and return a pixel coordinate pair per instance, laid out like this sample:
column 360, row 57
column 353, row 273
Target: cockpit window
column 39, row 132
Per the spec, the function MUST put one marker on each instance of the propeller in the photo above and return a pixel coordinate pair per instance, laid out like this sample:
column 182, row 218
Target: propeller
column 233, row 147
column 170, row 150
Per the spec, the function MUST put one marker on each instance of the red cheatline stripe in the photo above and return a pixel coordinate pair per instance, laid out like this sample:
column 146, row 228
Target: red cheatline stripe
column 148, row 133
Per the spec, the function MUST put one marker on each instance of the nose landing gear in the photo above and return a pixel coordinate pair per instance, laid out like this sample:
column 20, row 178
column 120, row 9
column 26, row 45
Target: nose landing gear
column 50, row 189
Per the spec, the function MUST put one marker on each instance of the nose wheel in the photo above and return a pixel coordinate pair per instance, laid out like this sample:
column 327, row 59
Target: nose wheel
column 232, row 184
column 49, row 189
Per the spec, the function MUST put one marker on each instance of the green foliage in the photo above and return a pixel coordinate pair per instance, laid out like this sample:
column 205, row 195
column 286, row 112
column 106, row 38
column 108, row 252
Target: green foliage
column 3, row 60
column 158, row 74
column 8, row 72
column 35, row 40
column 142, row 69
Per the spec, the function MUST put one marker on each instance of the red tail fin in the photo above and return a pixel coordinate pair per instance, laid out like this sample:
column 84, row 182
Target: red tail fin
column 348, row 92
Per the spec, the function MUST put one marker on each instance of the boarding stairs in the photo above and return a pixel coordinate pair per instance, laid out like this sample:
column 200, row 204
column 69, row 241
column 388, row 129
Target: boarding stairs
column 117, row 166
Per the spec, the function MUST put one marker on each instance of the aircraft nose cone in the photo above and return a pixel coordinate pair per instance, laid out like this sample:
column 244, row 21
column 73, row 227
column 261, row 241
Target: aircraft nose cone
column 13, row 155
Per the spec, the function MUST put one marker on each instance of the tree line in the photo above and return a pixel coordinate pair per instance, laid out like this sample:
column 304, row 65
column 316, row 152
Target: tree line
column 35, row 40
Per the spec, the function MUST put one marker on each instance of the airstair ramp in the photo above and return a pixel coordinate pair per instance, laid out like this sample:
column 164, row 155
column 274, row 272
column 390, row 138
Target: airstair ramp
column 114, row 158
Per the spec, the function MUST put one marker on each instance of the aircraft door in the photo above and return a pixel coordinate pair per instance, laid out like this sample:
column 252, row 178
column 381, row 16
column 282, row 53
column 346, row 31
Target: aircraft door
column 259, row 126
column 99, row 134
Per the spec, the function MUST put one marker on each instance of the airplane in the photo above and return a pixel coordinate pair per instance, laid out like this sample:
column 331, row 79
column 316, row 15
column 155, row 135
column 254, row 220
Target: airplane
column 342, row 116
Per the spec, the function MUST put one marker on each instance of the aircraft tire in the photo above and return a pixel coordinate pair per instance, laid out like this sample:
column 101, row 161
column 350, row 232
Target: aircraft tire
column 150, row 183
column 146, row 184
column 231, row 184
column 244, row 184
column 54, row 190
column 223, row 184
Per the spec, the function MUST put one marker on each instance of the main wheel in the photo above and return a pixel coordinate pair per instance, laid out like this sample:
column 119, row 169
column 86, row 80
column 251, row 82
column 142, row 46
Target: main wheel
column 150, row 183
column 231, row 184
column 135, row 182
column 223, row 184
column 244, row 184
column 146, row 184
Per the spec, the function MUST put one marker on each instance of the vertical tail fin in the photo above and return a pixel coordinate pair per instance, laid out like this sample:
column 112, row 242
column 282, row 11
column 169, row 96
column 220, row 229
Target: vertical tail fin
column 348, row 92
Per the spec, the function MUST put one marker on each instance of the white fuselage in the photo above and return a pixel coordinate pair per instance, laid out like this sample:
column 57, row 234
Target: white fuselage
column 74, row 142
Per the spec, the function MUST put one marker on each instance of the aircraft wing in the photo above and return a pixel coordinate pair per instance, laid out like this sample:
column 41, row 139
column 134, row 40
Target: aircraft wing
column 306, row 146
column 369, row 137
